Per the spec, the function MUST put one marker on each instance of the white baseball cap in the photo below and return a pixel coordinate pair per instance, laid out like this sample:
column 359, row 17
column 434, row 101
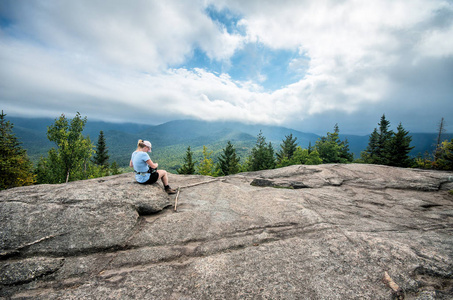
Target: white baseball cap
column 148, row 144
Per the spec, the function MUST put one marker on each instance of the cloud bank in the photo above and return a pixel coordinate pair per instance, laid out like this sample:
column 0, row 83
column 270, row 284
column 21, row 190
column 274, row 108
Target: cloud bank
column 300, row 64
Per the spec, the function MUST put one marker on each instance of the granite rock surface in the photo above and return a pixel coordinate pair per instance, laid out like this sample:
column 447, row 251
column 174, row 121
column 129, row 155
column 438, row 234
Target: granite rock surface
column 301, row 232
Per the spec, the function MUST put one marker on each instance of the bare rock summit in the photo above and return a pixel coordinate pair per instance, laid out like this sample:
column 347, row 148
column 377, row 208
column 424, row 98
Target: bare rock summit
column 302, row 232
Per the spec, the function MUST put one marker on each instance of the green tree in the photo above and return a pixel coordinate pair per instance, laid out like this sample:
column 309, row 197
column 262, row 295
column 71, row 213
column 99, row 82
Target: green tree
column 70, row 160
column 206, row 165
column 384, row 142
column 15, row 167
column 114, row 169
column 101, row 157
column 399, row 148
column 288, row 147
column 262, row 156
column 305, row 157
column 442, row 158
column 310, row 148
column 332, row 150
column 370, row 154
column 445, row 156
column 345, row 153
column 380, row 143
column 228, row 160
column 189, row 165
column 284, row 162
column 50, row 169
column 423, row 162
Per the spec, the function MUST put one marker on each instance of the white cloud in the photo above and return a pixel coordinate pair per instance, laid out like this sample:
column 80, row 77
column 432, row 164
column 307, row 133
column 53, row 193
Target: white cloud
column 355, row 56
column 351, row 44
column 437, row 43
column 144, row 35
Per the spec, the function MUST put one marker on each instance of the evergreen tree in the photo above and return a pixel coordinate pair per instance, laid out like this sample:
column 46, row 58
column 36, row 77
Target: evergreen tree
column 70, row 160
column 189, row 165
column 101, row 157
column 228, row 161
column 288, row 147
column 262, row 156
column 400, row 148
column 206, row 166
column 305, row 157
column 380, row 144
column 328, row 149
column 270, row 156
column 345, row 153
column 369, row 155
column 15, row 166
column 313, row 158
column 384, row 142
column 332, row 150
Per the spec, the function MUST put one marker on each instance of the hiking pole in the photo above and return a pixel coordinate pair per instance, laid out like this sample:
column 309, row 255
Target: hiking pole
column 176, row 200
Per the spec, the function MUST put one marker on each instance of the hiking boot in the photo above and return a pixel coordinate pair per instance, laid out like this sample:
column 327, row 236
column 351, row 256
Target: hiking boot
column 169, row 190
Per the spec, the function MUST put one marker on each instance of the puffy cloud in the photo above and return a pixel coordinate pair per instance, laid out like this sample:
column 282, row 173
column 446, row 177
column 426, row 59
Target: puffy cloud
column 353, row 60
column 144, row 35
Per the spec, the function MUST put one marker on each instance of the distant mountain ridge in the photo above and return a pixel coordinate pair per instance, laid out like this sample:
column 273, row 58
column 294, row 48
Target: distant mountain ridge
column 170, row 140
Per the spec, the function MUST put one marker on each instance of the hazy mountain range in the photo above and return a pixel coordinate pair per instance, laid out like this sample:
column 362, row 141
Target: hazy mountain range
column 170, row 140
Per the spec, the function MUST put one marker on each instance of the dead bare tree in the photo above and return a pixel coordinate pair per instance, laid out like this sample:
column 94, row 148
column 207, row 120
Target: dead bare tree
column 439, row 138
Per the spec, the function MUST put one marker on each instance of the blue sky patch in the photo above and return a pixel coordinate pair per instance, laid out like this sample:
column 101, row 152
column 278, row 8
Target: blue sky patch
column 255, row 62
column 270, row 68
column 227, row 19
column 199, row 59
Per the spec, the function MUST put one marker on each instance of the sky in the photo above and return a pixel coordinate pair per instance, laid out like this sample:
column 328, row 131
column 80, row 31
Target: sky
column 306, row 65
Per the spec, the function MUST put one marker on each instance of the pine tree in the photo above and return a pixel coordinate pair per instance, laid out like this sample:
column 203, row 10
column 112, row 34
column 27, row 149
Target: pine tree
column 262, row 156
column 288, row 147
column 345, row 153
column 380, row 145
column 270, row 157
column 228, row 161
column 101, row 157
column 369, row 155
column 332, row 150
column 400, row 148
column 189, row 165
column 310, row 148
column 305, row 157
column 328, row 149
column 15, row 167
column 384, row 142
column 313, row 158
